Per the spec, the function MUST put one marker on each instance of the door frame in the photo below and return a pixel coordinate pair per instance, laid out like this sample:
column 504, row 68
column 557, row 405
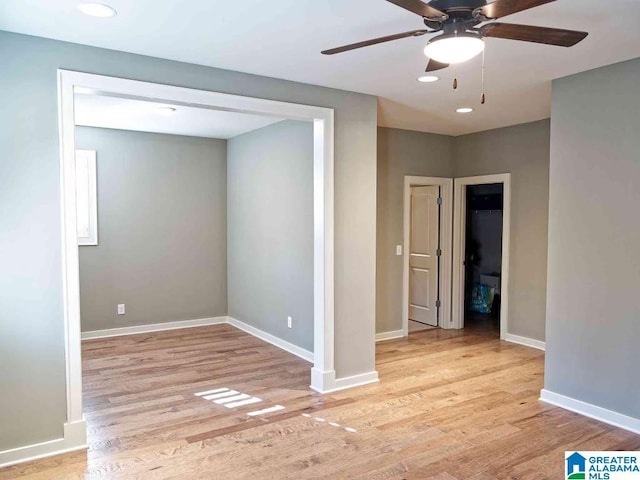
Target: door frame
column 323, row 371
column 459, row 231
column 446, row 223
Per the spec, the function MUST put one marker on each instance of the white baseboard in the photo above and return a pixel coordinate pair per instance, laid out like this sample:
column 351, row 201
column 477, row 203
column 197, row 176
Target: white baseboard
column 321, row 381
column 273, row 340
column 391, row 335
column 155, row 327
column 592, row 411
column 347, row 382
column 356, row 380
column 75, row 438
column 529, row 342
column 201, row 322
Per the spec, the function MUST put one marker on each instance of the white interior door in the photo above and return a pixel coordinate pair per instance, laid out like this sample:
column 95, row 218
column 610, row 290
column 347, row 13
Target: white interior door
column 423, row 257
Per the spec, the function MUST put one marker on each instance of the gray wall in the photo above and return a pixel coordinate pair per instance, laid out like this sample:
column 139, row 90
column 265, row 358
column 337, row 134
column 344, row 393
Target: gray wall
column 523, row 151
column 400, row 153
column 594, row 232
column 270, row 230
column 162, row 229
column 32, row 330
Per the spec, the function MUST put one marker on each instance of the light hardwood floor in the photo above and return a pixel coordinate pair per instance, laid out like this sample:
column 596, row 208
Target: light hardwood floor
column 450, row 405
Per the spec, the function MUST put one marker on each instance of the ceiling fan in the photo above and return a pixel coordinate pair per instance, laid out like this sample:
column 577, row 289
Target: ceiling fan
column 462, row 37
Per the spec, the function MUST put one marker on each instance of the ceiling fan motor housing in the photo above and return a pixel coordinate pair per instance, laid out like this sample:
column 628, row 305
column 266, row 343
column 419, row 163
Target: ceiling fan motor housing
column 460, row 15
column 449, row 6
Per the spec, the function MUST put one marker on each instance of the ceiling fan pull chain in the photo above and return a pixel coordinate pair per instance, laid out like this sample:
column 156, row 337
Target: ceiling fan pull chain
column 455, row 71
column 482, row 98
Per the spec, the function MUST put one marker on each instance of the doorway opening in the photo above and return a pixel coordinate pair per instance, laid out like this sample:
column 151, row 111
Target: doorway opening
column 70, row 83
column 481, row 242
column 483, row 257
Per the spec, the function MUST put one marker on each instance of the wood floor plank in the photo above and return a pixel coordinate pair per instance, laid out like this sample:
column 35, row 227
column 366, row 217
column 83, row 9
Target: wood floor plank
column 451, row 405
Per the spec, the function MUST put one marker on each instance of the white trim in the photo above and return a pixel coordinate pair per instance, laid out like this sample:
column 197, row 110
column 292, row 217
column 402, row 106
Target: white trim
column 273, row 340
column 526, row 341
column 89, row 157
column 202, row 322
column 391, row 335
column 325, row 379
column 323, row 244
column 70, row 254
column 592, row 411
column 154, row 327
column 323, row 121
column 75, row 438
column 331, row 383
column 446, row 224
column 351, row 382
column 459, row 215
column 328, row 380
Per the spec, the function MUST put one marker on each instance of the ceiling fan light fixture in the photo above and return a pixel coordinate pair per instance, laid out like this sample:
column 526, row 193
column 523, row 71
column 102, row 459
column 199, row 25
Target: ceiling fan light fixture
column 464, row 110
column 428, row 78
column 453, row 49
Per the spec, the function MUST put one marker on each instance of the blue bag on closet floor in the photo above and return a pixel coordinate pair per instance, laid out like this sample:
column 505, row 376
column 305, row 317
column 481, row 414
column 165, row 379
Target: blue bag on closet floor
column 482, row 298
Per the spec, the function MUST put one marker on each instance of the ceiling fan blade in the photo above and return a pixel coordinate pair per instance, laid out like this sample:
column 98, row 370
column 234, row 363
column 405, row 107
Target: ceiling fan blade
column 419, row 8
column 432, row 66
column 502, row 8
column 528, row 33
column 366, row 43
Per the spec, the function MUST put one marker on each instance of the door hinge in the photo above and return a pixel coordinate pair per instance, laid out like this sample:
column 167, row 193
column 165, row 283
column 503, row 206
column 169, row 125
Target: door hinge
column 438, row 304
column 438, row 252
column 439, row 200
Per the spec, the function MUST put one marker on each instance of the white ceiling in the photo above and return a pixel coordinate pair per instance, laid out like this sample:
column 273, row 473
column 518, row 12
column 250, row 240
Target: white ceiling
column 144, row 116
column 283, row 39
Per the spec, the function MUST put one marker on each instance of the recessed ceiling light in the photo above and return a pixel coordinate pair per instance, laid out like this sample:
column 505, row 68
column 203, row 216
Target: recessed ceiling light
column 465, row 110
column 166, row 111
column 428, row 78
column 97, row 10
